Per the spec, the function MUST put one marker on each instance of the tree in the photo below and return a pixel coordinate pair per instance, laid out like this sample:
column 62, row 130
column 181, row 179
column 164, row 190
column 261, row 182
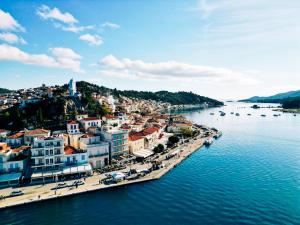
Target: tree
column 159, row 148
column 172, row 141
column 187, row 132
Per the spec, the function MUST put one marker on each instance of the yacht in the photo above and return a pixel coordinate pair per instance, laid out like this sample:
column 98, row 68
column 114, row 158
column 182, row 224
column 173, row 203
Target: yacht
column 237, row 114
column 212, row 114
column 222, row 114
column 263, row 115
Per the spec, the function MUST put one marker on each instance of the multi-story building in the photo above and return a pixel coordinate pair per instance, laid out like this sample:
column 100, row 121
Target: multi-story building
column 13, row 160
column 15, row 140
column 29, row 135
column 90, row 122
column 135, row 143
column 75, row 156
column 47, row 153
column 150, row 136
column 97, row 150
column 118, row 140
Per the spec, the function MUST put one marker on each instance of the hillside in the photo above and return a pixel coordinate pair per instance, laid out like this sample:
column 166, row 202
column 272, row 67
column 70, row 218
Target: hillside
column 278, row 98
column 175, row 98
column 4, row 91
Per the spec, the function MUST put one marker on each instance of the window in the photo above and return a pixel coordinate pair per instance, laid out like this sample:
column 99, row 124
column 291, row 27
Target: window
column 47, row 161
column 83, row 157
column 47, row 152
column 51, row 152
column 51, row 161
column 16, row 165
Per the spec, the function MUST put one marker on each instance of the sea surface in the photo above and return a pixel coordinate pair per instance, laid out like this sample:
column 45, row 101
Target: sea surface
column 251, row 175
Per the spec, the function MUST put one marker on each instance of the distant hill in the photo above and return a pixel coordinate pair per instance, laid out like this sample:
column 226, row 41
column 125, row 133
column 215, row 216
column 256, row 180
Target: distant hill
column 4, row 91
column 278, row 98
column 175, row 98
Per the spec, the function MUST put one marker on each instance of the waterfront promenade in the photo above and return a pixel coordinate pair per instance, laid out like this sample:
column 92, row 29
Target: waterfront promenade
column 47, row 191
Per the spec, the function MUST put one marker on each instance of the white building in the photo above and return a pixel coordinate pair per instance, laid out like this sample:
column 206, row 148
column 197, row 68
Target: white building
column 90, row 122
column 118, row 140
column 73, row 127
column 13, row 160
column 75, row 156
column 30, row 135
column 47, row 153
column 98, row 151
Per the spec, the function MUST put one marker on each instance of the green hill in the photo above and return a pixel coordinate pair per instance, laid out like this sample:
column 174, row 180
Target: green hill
column 4, row 91
column 175, row 98
column 278, row 98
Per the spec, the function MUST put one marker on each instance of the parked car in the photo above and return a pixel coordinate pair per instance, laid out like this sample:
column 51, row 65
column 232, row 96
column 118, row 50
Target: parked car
column 77, row 182
column 60, row 185
column 16, row 193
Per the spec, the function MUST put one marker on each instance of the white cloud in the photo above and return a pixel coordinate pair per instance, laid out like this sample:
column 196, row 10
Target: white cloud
column 65, row 53
column 91, row 39
column 45, row 12
column 12, row 38
column 234, row 21
column 77, row 29
column 170, row 70
column 62, row 58
column 7, row 22
column 111, row 25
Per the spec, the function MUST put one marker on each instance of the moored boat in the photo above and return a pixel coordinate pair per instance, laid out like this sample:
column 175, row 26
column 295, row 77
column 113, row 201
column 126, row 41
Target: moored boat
column 208, row 141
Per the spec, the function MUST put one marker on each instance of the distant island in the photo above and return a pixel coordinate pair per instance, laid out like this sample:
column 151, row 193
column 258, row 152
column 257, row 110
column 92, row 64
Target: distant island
column 290, row 101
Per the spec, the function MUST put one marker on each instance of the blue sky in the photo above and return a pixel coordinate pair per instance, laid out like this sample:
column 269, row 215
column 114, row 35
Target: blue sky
column 223, row 49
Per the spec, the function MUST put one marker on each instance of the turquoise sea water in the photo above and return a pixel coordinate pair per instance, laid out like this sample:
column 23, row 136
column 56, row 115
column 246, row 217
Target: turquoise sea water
column 249, row 176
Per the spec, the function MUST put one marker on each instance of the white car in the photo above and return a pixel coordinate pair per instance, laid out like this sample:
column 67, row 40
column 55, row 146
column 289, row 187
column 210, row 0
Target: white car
column 16, row 193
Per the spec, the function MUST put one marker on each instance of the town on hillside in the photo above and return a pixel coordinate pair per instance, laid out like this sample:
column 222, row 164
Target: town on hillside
column 125, row 144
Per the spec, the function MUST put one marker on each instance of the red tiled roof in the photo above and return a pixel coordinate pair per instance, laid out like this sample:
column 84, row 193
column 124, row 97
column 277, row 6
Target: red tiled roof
column 147, row 131
column 17, row 135
column 20, row 149
column 90, row 118
column 111, row 117
column 72, row 122
column 69, row 150
column 36, row 132
column 134, row 137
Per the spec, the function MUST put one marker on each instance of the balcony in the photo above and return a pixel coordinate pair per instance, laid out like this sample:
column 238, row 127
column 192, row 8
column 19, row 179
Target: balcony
column 99, row 155
column 38, row 155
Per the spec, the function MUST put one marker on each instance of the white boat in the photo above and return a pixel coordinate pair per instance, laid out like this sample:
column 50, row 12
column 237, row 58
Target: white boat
column 208, row 141
column 218, row 134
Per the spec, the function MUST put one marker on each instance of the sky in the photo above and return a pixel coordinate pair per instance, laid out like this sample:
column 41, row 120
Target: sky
column 224, row 49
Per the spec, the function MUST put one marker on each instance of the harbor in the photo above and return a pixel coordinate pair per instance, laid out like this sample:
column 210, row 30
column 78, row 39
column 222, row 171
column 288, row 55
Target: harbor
column 37, row 193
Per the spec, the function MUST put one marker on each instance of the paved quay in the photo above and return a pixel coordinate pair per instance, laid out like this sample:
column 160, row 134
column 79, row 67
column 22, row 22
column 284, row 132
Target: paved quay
column 44, row 192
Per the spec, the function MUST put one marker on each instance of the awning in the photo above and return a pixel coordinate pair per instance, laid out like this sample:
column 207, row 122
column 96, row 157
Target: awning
column 10, row 177
column 83, row 168
column 143, row 153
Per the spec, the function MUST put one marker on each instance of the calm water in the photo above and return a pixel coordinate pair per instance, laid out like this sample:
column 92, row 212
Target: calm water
column 249, row 176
